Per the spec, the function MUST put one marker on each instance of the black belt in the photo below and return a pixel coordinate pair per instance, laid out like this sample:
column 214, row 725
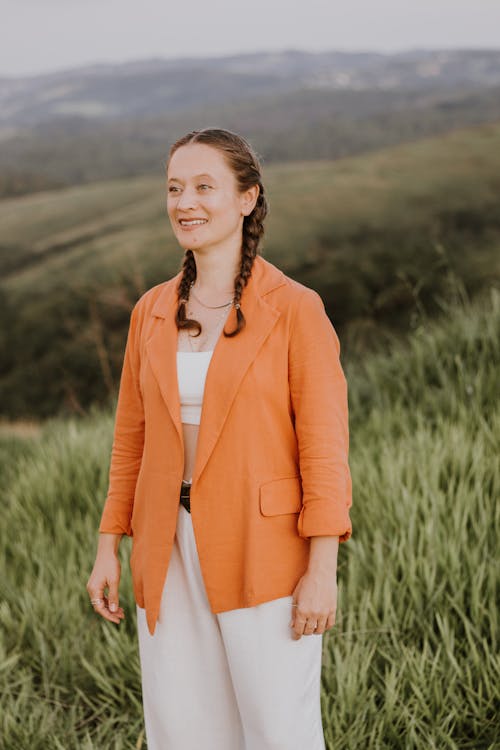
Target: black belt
column 185, row 496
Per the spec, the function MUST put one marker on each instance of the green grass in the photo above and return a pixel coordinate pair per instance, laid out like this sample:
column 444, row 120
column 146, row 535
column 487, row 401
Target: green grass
column 413, row 661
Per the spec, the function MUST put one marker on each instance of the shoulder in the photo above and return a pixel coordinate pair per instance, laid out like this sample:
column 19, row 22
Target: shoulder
column 303, row 310
column 294, row 298
column 279, row 288
column 159, row 293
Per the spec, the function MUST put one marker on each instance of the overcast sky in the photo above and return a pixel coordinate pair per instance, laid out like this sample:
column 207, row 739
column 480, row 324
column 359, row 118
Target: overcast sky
column 38, row 36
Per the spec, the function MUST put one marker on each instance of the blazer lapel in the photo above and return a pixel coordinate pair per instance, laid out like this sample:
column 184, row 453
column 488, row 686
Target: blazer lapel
column 229, row 362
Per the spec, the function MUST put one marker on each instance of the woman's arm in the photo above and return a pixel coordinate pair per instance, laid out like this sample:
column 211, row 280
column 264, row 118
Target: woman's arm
column 318, row 391
column 323, row 555
column 108, row 543
column 128, row 441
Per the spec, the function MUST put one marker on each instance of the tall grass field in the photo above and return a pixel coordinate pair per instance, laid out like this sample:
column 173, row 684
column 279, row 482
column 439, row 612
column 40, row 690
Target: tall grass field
column 413, row 660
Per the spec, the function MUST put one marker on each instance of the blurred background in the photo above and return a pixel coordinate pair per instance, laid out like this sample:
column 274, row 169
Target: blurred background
column 379, row 131
column 378, row 127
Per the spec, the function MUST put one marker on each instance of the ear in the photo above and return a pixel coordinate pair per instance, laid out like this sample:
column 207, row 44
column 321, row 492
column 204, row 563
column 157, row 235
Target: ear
column 249, row 199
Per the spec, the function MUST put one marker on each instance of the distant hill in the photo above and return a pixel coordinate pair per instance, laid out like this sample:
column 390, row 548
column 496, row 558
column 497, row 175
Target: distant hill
column 151, row 87
column 109, row 121
column 382, row 237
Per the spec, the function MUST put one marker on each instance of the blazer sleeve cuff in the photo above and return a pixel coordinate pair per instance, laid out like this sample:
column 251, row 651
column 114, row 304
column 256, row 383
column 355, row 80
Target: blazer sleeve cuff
column 314, row 520
column 115, row 519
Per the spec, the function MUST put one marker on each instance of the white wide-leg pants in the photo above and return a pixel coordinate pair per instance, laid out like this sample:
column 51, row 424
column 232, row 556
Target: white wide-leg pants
column 235, row 680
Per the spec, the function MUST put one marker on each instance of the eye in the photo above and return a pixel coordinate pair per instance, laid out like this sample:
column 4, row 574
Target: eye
column 204, row 185
column 171, row 189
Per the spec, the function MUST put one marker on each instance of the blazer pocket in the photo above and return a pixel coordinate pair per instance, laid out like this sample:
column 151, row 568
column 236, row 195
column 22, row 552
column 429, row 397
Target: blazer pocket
column 282, row 495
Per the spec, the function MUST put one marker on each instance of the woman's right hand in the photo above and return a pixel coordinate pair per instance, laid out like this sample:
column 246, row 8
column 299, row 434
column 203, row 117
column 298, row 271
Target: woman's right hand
column 106, row 574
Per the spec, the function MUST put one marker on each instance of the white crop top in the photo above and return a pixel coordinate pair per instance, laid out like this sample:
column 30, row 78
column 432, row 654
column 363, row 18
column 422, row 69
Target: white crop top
column 191, row 374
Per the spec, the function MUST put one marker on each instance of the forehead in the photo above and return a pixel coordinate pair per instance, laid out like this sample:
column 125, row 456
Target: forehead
column 198, row 160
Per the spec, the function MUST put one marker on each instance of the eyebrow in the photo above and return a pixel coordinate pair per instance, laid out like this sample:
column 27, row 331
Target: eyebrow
column 203, row 174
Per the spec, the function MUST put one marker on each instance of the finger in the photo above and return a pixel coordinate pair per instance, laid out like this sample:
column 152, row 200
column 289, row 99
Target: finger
column 310, row 626
column 298, row 626
column 100, row 605
column 119, row 611
column 330, row 621
column 112, row 616
column 96, row 596
column 321, row 626
column 113, row 595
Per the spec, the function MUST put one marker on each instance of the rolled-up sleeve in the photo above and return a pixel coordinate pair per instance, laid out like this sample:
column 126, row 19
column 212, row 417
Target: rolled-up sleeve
column 128, row 440
column 318, row 390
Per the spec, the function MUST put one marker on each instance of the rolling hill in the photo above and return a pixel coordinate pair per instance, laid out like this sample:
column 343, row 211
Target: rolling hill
column 111, row 121
column 382, row 237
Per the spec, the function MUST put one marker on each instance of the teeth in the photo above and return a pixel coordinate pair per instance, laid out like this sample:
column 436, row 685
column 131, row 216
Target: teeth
column 194, row 221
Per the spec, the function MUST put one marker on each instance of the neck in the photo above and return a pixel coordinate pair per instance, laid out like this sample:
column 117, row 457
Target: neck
column 216, row 272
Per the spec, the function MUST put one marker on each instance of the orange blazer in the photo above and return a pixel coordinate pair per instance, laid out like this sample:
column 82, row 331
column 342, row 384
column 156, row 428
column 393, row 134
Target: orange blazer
column 271, row 465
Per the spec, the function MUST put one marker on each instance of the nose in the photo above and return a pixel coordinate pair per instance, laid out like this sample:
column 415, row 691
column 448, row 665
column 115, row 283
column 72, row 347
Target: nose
column 187, row 199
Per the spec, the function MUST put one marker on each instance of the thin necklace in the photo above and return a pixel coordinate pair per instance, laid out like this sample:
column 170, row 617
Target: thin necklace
column 210, row 307
column 214, row 330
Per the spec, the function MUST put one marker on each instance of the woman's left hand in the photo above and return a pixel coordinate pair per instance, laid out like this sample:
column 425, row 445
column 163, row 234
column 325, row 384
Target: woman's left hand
column 316, row 599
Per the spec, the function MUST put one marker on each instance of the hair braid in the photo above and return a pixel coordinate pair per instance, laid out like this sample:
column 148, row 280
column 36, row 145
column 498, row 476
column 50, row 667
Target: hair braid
column 253, row 230
column 188, row 276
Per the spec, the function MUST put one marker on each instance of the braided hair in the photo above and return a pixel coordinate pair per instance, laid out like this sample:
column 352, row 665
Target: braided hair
column 244, row 162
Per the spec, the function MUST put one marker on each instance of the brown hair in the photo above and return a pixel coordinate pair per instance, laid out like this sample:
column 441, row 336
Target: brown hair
column 244, row 162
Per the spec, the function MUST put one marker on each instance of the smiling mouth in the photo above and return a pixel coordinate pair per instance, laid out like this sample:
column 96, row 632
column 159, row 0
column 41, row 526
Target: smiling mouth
column 192, row 222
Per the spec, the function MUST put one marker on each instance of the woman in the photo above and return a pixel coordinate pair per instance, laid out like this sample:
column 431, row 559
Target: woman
column 236, row 517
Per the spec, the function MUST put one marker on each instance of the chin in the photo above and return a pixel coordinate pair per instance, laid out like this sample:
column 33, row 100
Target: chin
column 199, row 247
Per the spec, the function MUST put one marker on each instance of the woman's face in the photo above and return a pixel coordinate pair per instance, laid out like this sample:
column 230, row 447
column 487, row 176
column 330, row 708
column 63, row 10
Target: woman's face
column 201, row 186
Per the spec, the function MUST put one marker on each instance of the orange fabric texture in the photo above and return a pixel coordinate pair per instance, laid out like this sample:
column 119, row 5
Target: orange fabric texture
column 271, row 465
